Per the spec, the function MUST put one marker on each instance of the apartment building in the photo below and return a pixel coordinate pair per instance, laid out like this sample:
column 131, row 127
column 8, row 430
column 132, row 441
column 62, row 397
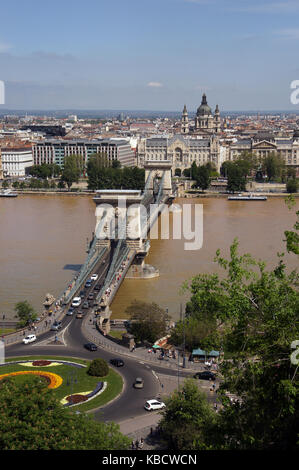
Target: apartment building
column 54, row 151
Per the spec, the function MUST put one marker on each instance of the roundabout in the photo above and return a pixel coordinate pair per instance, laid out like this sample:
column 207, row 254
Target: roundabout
column 68, row 379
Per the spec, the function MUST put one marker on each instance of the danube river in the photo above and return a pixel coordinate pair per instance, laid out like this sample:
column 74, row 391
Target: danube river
column 43, row 241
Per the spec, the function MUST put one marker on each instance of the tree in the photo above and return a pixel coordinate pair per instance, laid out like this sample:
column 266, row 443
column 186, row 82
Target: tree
column 73, row 167
column 236, row 180
column 273, row 166
column 186, row 172
column 116, row 164
column 32, row 418
column 98, row 367
column 25, row 313
column 188, row 419
column 292, row 185
column 149, row 322
column 256, row 314
column 202, row 177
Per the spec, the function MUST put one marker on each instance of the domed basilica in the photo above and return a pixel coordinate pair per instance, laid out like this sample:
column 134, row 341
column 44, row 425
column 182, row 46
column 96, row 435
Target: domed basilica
column 205, row 121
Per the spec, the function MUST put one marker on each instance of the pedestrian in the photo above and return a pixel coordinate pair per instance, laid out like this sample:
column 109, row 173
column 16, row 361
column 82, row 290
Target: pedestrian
column 141, row 443
column 214, row 386
column 136, row 444
column 215, row 407
column 133, row 445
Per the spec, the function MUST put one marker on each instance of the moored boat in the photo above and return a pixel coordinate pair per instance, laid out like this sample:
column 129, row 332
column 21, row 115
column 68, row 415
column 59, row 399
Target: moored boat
column 247, row 197
column 7, row 193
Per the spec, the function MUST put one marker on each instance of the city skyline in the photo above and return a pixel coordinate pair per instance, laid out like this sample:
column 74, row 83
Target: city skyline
column 157, row 56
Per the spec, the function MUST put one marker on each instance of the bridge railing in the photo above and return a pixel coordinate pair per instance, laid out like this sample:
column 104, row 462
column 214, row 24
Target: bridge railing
column 94, row 255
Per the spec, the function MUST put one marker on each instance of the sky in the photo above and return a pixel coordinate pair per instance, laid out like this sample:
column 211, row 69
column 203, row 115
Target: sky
column 149, row 54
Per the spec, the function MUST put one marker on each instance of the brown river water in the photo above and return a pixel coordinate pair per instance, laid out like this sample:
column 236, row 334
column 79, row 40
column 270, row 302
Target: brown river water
column 43, row 242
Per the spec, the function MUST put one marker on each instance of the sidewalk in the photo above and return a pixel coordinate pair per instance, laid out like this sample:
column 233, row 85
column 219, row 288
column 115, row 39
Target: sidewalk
column 140, row 354
column 41, row 326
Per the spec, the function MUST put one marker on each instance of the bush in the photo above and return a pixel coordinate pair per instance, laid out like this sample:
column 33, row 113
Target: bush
column 292, row 186
column 98, row 368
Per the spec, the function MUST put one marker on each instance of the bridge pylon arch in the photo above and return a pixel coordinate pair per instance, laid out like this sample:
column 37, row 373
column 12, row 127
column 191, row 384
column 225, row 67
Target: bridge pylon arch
column 158, row 169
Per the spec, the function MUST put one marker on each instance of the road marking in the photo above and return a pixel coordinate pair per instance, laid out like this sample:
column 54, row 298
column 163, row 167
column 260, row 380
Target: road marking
column 155, row 375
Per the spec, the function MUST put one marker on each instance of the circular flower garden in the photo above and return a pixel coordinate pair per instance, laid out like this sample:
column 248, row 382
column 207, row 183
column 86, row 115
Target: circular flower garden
column 53, row 380
column 68, row 380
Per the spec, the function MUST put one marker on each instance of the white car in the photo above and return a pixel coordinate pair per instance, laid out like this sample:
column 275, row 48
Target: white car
column 29, row 339
column 152, row 405
column 76, row 302
column 94, row 277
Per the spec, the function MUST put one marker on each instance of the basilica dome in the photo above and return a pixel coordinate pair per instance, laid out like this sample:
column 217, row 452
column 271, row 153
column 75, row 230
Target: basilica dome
column 204, row 109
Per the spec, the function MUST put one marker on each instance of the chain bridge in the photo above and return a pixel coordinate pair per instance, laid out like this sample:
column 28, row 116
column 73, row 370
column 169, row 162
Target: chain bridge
column 120, row 239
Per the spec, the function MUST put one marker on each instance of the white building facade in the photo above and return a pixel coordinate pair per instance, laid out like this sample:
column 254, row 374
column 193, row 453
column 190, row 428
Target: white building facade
column 16, row 160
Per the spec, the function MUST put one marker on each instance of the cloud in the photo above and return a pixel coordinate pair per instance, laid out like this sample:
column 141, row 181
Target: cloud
column 290, row 33
column 271, row 7
column 4, row 47
column 155, row 84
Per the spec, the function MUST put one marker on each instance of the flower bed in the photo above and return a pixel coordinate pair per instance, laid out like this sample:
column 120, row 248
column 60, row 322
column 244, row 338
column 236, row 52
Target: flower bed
column 74, row 399
column 54, row 380
column 42, row 362
column 85, row 396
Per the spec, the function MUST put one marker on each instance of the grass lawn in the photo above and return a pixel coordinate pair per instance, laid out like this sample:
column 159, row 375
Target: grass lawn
column 75, row 380
column 117, row 333
column 5, row 331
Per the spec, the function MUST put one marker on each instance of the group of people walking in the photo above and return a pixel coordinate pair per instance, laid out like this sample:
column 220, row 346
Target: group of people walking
column 138, row 444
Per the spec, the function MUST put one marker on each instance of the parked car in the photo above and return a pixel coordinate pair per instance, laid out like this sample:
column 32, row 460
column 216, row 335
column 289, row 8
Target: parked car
column 138, row 383
column 91, row 346
column 85, row 305
column 29, row 339
column 56, row 326
column 76, row 301
column 152, row 405
column 70, row 311
column 117, row 362
column 206, row 375
column 94, row 277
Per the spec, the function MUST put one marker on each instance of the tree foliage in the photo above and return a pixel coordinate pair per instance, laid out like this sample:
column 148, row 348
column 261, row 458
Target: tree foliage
column 188, row 419
column 255, row 313
column 101, row 175
column 98, row 367
column 73, row 168
column 149, row 322
column 31, row 418
column 25, row 313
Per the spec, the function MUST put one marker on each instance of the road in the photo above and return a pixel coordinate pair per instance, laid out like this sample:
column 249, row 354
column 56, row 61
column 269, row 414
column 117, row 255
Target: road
column 71, row 344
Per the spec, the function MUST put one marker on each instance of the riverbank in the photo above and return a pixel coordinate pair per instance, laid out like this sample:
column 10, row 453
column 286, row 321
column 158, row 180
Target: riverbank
column 183, row 194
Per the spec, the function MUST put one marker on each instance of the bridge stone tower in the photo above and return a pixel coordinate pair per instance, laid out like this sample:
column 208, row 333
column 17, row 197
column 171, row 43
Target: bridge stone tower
column 159, row 169
column 118, row 216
